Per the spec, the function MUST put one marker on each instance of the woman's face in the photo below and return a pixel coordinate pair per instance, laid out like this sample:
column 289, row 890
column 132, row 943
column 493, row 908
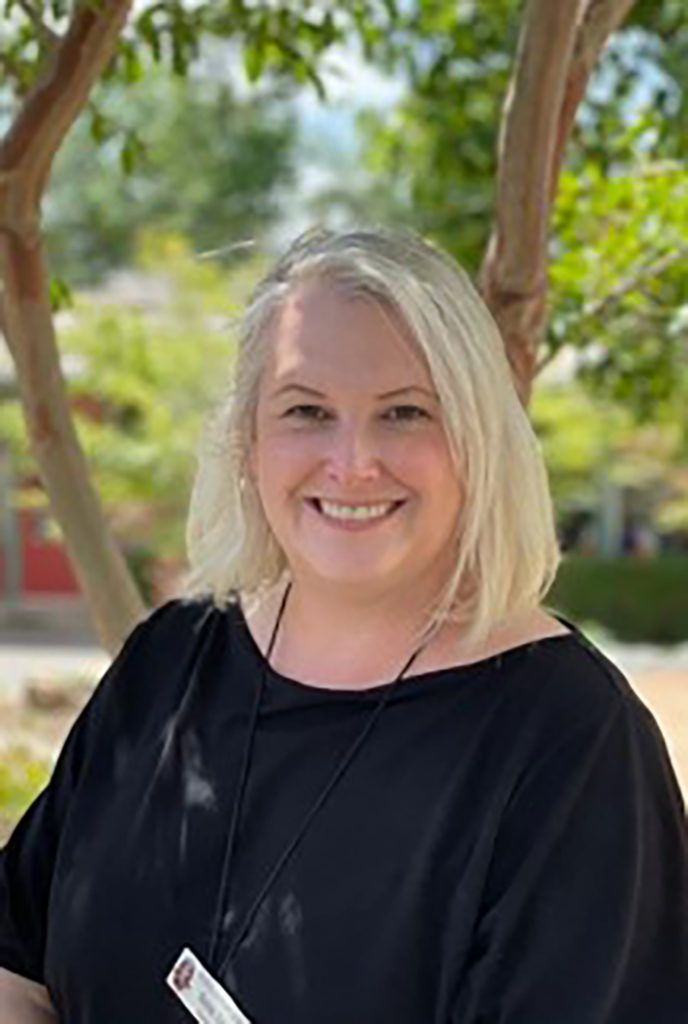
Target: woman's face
column 347, row 413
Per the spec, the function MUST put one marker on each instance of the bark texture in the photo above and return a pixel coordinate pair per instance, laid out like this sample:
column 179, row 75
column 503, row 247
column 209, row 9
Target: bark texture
column 26, row 154
column 558, row 49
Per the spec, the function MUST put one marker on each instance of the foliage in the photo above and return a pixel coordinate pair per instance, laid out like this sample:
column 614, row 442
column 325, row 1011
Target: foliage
column 22, row 777
column 198, row 162
column 150, row 373
column 620, row 282
column 437, row 150
column 433, row 160
column 276, row 38
column 645, row 67
column 636, row 599
column 157, row 373
column 584, row 437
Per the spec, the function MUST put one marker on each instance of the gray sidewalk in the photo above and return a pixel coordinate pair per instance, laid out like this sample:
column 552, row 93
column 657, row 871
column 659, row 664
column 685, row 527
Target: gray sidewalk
column 21, row 662
column 43, row 641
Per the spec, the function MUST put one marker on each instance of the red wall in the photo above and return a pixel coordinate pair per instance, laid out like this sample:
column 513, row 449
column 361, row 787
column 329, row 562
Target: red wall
column 46, row 567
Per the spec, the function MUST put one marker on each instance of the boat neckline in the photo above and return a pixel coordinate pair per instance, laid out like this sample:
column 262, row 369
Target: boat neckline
column 464, row 670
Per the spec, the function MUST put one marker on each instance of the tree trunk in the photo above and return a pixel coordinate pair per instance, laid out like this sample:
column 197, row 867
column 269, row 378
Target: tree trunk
column 558, row 48
column 26, row 154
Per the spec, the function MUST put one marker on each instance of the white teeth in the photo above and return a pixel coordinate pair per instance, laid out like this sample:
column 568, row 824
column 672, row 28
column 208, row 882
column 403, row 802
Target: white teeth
column 355, row 511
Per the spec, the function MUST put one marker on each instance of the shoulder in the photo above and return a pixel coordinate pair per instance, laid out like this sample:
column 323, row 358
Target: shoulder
column 176, row 622
column 151, row 669
column 588, row 870
column 563, row 694
column 584, row 748
column 174, row 633
column 582, row 681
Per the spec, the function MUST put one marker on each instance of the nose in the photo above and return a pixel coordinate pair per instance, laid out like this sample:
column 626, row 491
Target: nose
column 353, row 455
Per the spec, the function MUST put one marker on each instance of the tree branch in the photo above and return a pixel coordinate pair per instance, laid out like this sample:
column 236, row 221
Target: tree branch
column 559, row 46
column 53, row 104
column 48, row 39
column 600, row 19
column 548, row 358
column 513, row 276
column 646, row 271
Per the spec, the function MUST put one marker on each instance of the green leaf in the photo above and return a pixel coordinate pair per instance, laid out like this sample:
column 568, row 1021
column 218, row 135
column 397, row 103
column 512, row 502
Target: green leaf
column 254, row 59
column 133, row 66
column 131, row 152
column 60, row 294
column 98, row 126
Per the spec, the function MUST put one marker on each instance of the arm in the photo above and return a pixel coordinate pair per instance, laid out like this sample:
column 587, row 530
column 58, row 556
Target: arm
column 28, row 861
column 23, row 1001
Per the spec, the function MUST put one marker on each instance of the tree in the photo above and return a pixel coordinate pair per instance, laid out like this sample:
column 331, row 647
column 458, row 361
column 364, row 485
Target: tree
column 618, row 219
column 557, row 50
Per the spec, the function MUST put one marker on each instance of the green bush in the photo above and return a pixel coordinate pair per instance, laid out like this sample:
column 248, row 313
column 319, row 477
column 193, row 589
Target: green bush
column 636, row 599
column 22, row 776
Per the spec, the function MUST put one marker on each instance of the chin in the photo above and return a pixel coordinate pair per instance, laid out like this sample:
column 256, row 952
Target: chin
column 345, row 574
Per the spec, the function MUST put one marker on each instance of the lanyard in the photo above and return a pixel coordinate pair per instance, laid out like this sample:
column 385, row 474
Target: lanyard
column 230, row 849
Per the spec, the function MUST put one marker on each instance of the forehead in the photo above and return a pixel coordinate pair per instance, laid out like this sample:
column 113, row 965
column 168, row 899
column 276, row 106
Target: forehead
column 321, row 334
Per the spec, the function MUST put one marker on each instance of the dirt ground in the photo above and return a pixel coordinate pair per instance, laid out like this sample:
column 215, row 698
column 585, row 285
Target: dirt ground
column 666, row 694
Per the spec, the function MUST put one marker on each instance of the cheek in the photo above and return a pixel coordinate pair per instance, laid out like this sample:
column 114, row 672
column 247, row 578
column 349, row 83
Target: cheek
column 427, row 461
column 281, row 457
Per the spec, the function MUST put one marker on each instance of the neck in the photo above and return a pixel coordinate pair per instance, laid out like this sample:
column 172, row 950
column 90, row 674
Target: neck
column 347, row 638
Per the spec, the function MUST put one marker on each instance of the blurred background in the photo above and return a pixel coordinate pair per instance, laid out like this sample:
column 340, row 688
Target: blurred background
column 199, row 154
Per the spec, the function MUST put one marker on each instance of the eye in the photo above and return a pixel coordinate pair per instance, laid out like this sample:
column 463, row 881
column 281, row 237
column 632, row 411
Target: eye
column 307, row 412
column 407, row 412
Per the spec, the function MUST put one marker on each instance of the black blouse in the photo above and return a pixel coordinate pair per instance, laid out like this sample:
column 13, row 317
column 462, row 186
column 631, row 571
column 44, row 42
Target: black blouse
column 508, row 844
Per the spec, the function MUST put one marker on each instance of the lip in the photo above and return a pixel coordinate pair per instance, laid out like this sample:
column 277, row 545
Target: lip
column 361, row 504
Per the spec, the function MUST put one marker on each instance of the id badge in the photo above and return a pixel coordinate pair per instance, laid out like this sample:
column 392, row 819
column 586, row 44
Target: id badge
column 204, row 997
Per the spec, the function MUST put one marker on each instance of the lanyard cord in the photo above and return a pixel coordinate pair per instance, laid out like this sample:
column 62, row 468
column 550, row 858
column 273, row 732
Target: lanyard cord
column 236, row 810
column 284, row 857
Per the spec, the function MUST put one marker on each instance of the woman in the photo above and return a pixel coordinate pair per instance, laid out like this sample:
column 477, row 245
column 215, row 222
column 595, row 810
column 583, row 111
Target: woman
column 359, row 773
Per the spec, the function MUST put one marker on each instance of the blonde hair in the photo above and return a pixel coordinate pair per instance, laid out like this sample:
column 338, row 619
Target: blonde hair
column 507, row 553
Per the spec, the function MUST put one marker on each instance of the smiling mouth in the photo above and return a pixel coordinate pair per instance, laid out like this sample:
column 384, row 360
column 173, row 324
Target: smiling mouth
column 316, row 504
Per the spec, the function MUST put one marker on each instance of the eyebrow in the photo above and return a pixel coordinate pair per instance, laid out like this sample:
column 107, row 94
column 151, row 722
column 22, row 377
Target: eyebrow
column 387, row 394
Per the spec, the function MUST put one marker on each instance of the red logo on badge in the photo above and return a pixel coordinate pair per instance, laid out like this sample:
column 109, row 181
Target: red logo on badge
column 183, row 975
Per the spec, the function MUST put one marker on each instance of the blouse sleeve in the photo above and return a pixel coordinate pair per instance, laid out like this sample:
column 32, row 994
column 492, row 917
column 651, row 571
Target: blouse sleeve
column 26, row 862
column 585, row 912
